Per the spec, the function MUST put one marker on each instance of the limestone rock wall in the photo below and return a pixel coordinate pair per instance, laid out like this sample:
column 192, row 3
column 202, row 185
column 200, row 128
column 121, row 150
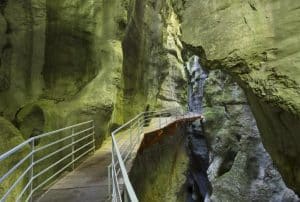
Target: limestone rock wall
column 240, row 168
column 23, row 25
column 51, row 51
column 67, row 58
column 152, row 70
column 257, row 42
column 11, row 136
column 159, row 170
column 67, row 61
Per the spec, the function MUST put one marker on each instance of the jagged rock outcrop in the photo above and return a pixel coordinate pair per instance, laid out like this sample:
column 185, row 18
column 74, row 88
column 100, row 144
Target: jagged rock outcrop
column 11, row 136
column 152, row 71
column 65, row 61
column 64, row 57
column 257, row 43
column 159, row 170
column 68, row 57
column 240, row 168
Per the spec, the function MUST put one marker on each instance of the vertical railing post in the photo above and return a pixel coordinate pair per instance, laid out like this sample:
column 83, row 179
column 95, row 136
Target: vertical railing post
column 142, row 125
column 159, row 122
column 166, row 120
column 109, row 181
column 73, row 149
column 112, row 172
column 139, row 127
column 31, row 170
column 94, row 139
column 130, row 136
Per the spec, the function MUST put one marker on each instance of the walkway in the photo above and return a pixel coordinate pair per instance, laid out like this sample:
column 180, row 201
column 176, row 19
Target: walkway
column 89, row 181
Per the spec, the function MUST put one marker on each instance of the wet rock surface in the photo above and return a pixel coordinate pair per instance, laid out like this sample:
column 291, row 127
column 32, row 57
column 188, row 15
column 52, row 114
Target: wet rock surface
column 159, row 171
column 257, row 42
column 66, row 61
column 240, row 169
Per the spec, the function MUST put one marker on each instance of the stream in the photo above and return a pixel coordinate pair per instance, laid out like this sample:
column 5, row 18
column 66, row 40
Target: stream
column 198, row 185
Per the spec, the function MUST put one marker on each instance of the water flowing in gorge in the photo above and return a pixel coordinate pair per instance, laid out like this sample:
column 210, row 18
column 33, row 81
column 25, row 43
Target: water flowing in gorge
column 197, row 181
column 138, row 65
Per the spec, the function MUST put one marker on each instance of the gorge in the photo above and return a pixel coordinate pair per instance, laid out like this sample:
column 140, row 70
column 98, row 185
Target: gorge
column 68, row 61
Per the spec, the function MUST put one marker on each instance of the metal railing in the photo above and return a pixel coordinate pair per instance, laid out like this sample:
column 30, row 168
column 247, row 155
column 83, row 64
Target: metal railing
column 120, row 187
column 38, row 161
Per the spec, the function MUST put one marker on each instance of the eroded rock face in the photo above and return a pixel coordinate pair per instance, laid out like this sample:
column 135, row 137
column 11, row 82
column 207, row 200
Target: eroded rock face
column 69, row 55
column 21, row 53
column 11, row 137
column 240, row 168
column 152, row 72
column 64, row 61
column 65, row 57
column 257, row 42
column 159, row 170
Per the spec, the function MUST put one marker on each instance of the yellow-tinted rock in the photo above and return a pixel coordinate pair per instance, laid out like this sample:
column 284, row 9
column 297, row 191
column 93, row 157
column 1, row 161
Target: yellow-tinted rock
column 258, row 43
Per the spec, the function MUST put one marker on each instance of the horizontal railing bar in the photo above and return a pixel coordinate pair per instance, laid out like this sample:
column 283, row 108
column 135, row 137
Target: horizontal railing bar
column 121, row 136
column 15, row 167
column 16, row 182
column 51, row 154
column 158, row 111
column 51, row 144
column 47, row 180
column 25, row 188
column 124, row 142
column 116, row 179
column 124, row 135
column 63, row 139
column 23, row 145
column 125, row 147
column 67, row 165
column 128, row 185
column 77, row 150
column 83, row 154
column 18, row 147
column 51, row 166
column 15, row 149
column 83, row 131
column 56, row 163
column 122, row 149
column 62, row 129
column 127, row 123
column 83, row 138
column 133, row 145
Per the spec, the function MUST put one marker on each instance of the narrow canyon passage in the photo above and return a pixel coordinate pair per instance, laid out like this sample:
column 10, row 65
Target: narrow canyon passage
column 219, row 80
column 220, row 158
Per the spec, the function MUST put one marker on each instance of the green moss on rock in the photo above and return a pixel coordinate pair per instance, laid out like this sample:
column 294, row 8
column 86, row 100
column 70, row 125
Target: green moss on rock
column 11, row 137
column 257, row 42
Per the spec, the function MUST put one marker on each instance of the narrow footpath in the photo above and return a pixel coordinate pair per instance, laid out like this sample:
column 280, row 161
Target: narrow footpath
column 89, row 181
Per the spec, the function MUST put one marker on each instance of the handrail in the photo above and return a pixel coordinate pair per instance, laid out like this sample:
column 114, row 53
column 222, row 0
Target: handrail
column 61, row 148
column 136, row 130
column 15, row 149
column 128, row 185
column 127, row 123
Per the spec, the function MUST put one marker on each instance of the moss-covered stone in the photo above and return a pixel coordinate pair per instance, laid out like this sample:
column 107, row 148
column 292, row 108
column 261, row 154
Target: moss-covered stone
column 240, row 168
column 152, row 72
column 11, row 137
column 66, row 61
column 159, row 171
column 257, row 42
